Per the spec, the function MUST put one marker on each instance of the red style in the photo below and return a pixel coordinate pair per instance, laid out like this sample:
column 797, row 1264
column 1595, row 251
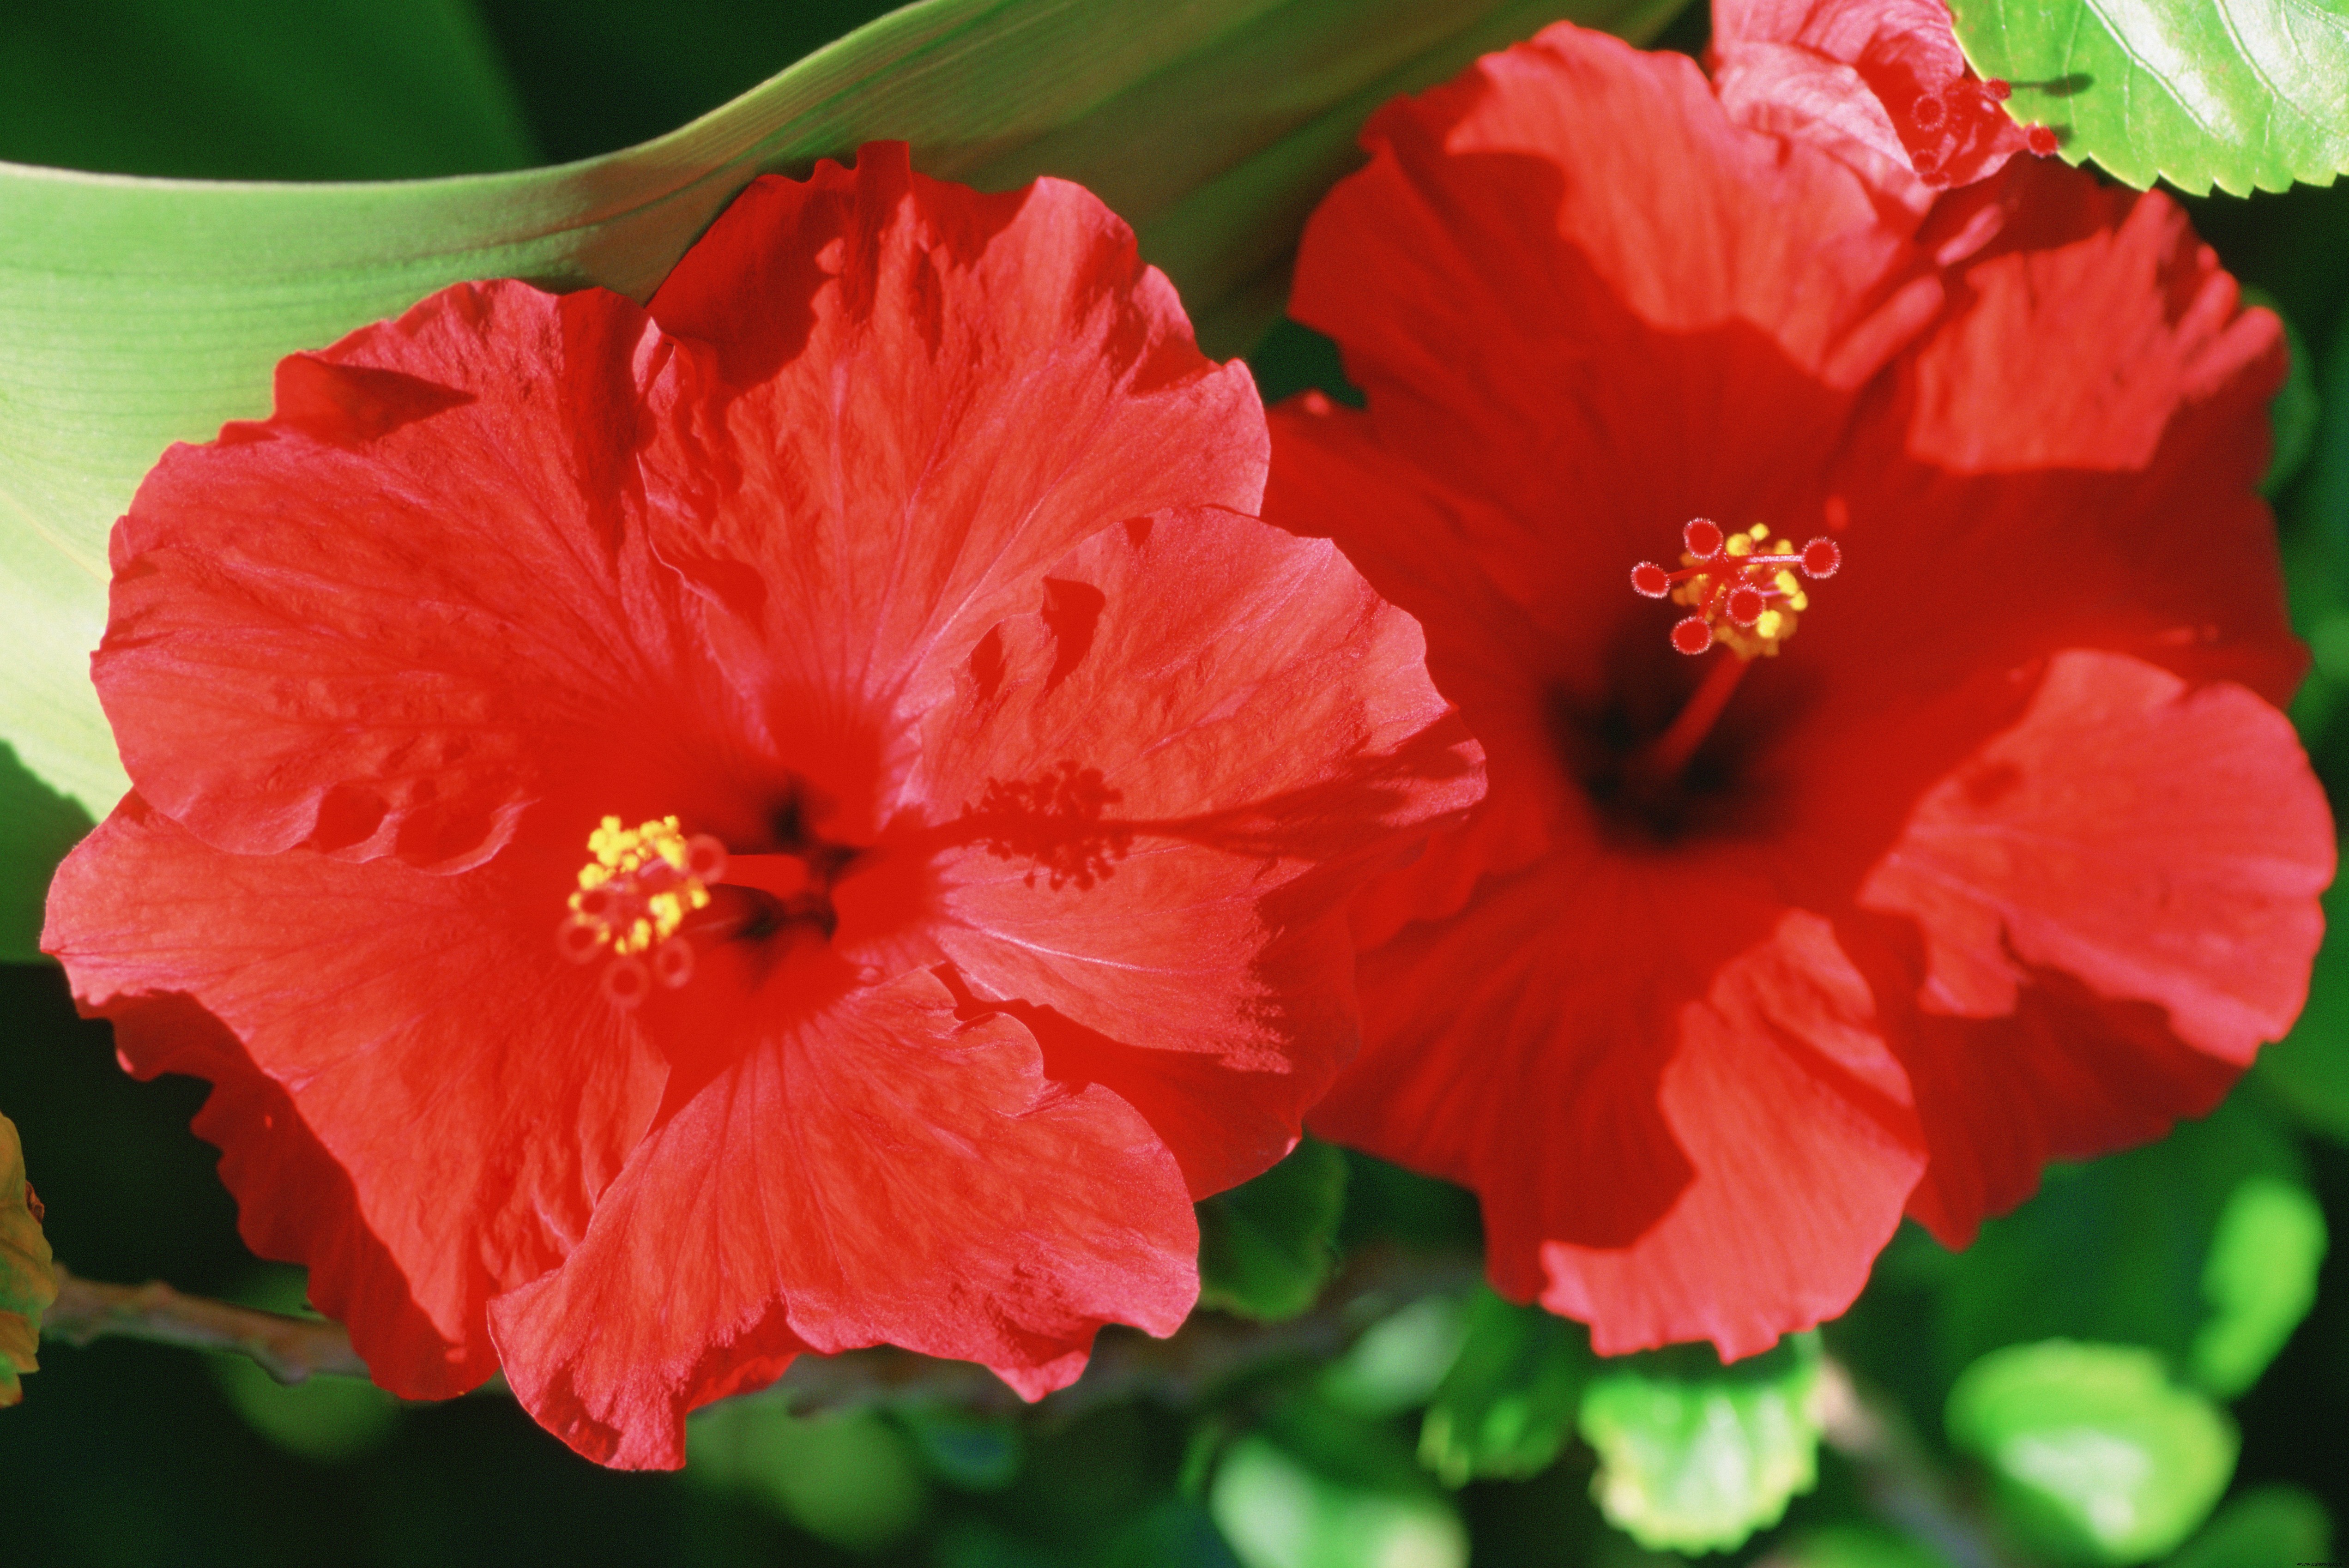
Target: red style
column 805, row 816
column 2006, row 856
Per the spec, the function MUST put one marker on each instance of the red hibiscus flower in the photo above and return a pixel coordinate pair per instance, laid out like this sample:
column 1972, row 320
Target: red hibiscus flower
column 2003, row 854
column 1881, row 84
column 804, row 816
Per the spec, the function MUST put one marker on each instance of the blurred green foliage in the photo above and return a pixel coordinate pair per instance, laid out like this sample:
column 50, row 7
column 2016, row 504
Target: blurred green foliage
column 1695, row 1456
column 1507, row 1404
column 2098, row 1457
column 1265, row 1247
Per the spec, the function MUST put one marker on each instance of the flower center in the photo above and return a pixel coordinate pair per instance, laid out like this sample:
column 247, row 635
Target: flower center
column 1742, row 591
column 1740, row 588
column 634, row 891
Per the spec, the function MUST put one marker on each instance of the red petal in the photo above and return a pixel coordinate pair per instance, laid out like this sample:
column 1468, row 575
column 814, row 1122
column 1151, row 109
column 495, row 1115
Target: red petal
column 383, row 620
column 918, row 398
column 1881, row 84
column 1674, row 1139
column 416, row 1098
column 880, row 1173
column 1557, row 267
column 1416, row 540
column 2182, row 871
column 1799, row 1122
column 1150, row 811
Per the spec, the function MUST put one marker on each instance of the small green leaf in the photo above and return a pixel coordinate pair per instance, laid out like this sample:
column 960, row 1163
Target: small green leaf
column 1508, row 1403
column 1177, row 1534
column 1858, row 1546
column 2259, row 1280
column 2308, row 1070
column 1264, row 1246
column 1694, row 1456
column 851, row 1479
column 1399, row 1361
column 2294, row 413
column 971, row 1454
column 1319, row 1490
column 2240, row 94
column 2098, row 1457
column 325, row 1419
column 2273, row 1527
column 28, row 1278
column 2203, row 1247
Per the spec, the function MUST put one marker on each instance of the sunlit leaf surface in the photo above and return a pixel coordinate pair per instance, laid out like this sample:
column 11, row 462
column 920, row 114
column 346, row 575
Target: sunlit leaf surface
column 2240, row 94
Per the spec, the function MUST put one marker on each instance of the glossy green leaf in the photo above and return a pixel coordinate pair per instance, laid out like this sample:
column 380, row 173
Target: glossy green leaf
column 2233, row 93
column 1317, row 1489
column 2273, row 1527
column 259, row 90
column 2097, row 1457
column 2203, row 1247
column 1264, row 1246
column 137, row 313
column 1508, row 1403
column 1694, row 1456
column 28, row 1280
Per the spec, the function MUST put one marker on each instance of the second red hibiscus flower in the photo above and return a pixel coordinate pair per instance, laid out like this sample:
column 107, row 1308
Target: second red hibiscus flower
column 2009, row 856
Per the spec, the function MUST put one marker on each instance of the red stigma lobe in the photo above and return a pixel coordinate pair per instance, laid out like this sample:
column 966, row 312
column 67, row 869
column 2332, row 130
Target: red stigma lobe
column 1741, row 588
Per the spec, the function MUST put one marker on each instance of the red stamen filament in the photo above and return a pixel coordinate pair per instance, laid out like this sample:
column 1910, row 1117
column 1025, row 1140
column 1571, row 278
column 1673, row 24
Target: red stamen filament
column 1663, row 757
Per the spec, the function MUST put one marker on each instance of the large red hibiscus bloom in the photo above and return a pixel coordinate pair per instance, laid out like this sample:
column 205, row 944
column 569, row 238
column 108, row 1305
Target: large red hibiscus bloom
column 804, row 816
column 2005, row 854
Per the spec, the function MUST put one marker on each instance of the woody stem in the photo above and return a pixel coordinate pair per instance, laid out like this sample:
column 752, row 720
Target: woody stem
column 1663, row 759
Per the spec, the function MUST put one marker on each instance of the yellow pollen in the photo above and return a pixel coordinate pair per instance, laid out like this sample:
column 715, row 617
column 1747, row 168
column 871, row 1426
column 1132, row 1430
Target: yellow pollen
column 641, row 885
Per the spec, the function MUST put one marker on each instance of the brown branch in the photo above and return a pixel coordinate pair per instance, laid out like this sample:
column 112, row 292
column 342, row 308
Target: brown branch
column 1211, row 1353
column 290, row 1349
column 1212, row 1350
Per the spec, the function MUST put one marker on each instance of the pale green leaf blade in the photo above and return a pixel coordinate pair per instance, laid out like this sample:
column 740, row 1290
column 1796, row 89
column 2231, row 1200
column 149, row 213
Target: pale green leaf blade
column 29, row 1279
column 1694, row 1456
column 137, row 313
column 2240, row 94
column 2097, row 1456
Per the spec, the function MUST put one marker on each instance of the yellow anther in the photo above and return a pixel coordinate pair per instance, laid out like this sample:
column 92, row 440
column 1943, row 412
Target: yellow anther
column 636, row 890
column 1769, row 625
column 1740, row 544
